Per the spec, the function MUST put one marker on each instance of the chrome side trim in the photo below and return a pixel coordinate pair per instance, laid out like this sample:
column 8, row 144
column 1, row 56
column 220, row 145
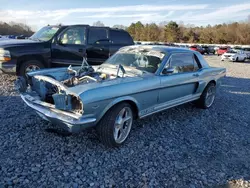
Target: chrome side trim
column 170, row 104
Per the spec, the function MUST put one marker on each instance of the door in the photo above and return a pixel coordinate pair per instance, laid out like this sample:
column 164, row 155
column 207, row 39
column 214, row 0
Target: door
column 69, row 47
column 98, row 45
column 183, row 81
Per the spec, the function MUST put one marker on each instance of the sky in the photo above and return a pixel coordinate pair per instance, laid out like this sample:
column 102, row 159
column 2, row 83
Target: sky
column 38, row 13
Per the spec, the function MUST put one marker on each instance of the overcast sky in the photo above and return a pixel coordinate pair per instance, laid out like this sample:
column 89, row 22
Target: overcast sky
column 38, row 13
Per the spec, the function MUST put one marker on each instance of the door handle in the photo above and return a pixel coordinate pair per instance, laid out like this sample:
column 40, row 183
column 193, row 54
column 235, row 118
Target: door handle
column 80, row 50
column 196, row 74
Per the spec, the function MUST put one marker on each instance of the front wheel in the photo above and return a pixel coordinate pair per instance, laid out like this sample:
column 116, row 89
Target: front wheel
column 207, row 97
column 115, row 126
column 29, row 66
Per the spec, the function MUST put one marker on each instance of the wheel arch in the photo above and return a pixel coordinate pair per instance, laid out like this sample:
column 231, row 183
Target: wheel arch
column 26, row 58
column 129, row 100
column 212, row 81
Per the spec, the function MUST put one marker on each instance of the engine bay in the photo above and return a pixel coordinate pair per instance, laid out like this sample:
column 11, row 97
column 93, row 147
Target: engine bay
column 86, row 74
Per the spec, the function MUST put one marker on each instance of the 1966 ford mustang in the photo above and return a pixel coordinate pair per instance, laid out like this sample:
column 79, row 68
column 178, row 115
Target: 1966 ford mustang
column 135, row 82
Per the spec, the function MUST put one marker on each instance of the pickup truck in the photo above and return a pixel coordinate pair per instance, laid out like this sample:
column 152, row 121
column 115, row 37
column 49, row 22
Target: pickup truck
column 57, row 46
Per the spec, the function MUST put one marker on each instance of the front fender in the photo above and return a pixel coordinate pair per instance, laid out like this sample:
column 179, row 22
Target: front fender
column 116, row 101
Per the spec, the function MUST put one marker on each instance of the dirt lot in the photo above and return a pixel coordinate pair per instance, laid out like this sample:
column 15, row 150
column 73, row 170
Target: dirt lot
column 180, row 147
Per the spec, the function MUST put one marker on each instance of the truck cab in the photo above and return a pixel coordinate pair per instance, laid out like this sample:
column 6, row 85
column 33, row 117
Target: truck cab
column 56, row 46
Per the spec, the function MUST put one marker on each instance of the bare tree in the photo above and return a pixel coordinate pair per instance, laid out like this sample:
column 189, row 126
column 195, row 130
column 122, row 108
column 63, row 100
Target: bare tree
column 98, row 24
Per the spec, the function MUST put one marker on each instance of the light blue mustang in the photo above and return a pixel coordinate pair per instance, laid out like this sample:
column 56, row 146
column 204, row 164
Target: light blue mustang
column 135, row 82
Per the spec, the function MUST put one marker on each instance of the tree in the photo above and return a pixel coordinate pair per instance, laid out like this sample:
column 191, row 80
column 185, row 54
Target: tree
column 172, row 32
column 98, row 24
column 120, row 27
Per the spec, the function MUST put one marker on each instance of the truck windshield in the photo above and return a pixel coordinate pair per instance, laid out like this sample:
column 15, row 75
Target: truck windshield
column 45, row 34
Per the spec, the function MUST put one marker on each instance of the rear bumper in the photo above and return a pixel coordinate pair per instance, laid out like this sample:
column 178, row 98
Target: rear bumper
column 66, row 120
column 8, row 67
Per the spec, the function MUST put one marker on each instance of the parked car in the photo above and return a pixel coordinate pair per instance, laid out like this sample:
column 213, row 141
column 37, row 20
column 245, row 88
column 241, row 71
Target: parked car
column 11, row 36
column 20, row 37
column 222, row 50
column 197, row 48
column 237, row 48
column 134, row 83
column 247, row 52
column 208, row 49
column 55, row 46
column 233, row 55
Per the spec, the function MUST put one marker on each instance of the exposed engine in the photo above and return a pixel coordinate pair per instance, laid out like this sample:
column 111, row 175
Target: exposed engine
column 86, row 74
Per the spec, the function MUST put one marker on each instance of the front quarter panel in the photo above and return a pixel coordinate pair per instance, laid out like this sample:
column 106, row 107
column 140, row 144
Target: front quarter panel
column 143, row 93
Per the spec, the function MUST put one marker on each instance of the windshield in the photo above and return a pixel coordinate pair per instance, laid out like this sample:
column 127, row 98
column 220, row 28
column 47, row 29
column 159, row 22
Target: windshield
column 45, row 34
column 139, row 58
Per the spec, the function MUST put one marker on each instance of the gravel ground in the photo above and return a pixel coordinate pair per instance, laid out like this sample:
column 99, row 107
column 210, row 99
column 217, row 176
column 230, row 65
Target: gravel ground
column 180, row 147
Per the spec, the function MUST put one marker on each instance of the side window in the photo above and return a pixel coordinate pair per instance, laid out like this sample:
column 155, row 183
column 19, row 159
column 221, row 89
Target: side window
column 120, row 37
column 75, row 35
column 183, row 62
column 96, row 34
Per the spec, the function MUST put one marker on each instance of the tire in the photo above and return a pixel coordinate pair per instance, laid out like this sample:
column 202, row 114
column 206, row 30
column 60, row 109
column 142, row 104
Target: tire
column 244, row 60
column 31, row 63
column 108, row 127
column 203, row 101
column 237, row 59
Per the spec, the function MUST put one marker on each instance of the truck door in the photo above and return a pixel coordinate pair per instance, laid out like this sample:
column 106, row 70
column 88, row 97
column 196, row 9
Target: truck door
column 97, row 45
column 69, row 47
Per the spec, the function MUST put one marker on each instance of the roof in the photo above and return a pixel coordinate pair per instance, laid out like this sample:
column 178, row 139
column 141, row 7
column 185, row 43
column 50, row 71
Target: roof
column 86, row 26
column 160, row 48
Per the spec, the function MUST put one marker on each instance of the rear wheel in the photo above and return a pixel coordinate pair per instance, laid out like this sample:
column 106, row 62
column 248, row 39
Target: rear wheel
column 115, row 126
column 29, row 66
column 207, row 97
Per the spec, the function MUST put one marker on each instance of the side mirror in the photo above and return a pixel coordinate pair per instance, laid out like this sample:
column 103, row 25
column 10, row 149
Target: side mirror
column 168, row 71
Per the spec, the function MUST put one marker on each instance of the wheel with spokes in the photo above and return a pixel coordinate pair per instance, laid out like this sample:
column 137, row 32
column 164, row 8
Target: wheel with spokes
column 29, row 66
column 115, row 126
column 207, row 97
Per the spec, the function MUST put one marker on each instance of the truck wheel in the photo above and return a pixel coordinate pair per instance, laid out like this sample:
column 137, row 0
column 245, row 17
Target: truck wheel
column 207, row 97
column 29, row 66
column 115, row 126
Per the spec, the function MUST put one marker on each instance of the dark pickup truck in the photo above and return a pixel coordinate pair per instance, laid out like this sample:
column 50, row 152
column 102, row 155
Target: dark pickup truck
column 54, row 46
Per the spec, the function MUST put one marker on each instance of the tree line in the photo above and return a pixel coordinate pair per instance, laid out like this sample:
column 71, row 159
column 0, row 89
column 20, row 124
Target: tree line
column 231, row 33
column 13, row 28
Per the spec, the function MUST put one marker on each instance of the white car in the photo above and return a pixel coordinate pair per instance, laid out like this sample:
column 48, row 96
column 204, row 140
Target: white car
column 247, row 51
column 233, row 55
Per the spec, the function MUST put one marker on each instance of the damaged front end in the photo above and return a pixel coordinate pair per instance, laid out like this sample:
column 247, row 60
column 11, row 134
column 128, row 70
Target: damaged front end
column 52, row 99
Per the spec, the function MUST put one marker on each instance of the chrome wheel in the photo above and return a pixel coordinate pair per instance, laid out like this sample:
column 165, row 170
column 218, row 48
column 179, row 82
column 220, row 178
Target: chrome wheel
column 31, row 68
column 123, row 124
column 210, row 96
